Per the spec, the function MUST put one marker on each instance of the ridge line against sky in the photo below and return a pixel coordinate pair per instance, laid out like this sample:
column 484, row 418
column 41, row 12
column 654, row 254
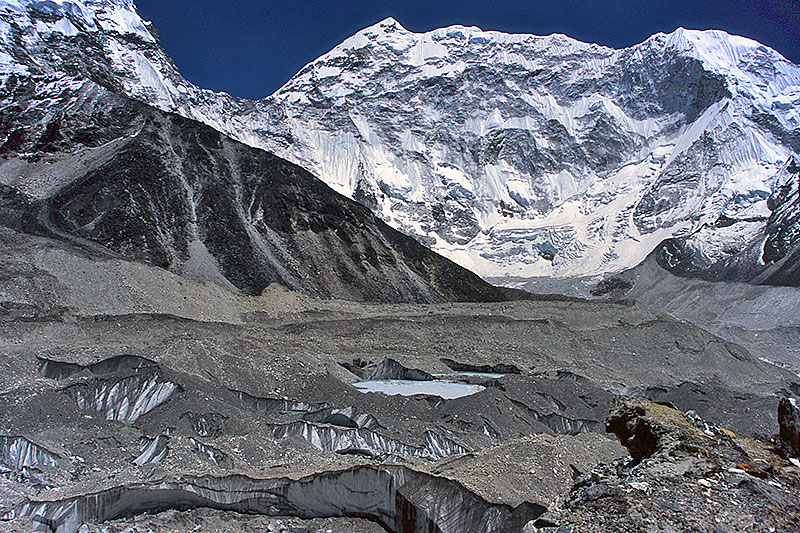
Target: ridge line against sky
column 250, row 48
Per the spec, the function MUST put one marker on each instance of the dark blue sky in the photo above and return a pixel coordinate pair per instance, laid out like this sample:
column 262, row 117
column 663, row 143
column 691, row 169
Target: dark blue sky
column 250, row 48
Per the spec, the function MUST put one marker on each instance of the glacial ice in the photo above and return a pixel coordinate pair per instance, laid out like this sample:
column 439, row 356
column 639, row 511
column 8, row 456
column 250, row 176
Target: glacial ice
column 367, row 442
column 399, row 498
column 126, row 399
column 153, row 450
column 18, row 454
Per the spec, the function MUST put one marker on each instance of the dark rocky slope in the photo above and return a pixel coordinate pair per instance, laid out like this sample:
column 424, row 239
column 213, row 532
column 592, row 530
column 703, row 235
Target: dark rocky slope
column 99, row 169
column 679, row 134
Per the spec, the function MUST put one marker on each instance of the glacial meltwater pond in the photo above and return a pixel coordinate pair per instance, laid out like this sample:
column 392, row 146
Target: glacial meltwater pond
column 404, row 387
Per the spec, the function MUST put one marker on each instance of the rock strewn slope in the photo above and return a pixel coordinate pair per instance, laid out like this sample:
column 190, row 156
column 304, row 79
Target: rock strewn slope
column 96, row 168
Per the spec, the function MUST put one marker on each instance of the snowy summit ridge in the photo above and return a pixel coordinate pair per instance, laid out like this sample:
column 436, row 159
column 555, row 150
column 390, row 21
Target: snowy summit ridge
column 525, row 155
column 513, row 154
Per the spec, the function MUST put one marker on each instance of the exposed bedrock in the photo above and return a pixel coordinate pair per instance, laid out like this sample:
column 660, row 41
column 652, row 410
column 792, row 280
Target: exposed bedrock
column 687, row 475
column 648, row 429
column 768, row 257
column 367, row 442
column 124, row 399
column 789, row 426
column 400, row 499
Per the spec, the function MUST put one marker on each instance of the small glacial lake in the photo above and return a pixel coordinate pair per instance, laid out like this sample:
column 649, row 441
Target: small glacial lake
column 403, row 387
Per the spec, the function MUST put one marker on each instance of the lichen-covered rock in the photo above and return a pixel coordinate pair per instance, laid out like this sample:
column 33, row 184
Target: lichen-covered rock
column 648, row 428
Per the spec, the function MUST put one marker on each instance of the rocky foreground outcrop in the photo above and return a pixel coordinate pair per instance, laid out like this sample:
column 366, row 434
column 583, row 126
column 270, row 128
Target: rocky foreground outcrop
column 789, row 424
column 684, row 474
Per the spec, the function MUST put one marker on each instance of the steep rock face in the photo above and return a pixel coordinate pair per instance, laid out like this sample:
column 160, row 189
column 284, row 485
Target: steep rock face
column 789, row 423
column 177, row 194
column 543, row 155
column 782, row 233
column 512, row 154
column 768, row 256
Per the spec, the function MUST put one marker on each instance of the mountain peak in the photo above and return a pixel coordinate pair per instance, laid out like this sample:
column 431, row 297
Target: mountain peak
column 389, row 23
column 387, row 26
column 388, row 33
column 725, row 47
column 498, row 149
column 69, row 17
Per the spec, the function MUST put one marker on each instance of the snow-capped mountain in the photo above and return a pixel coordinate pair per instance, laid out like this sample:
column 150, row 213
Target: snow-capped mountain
column 528, row 155
column 515, row 155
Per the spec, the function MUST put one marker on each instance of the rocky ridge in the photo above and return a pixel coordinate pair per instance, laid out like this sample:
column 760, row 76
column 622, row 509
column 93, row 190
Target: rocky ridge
column 684, row 474
column 207, row 389
column 87, row 165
